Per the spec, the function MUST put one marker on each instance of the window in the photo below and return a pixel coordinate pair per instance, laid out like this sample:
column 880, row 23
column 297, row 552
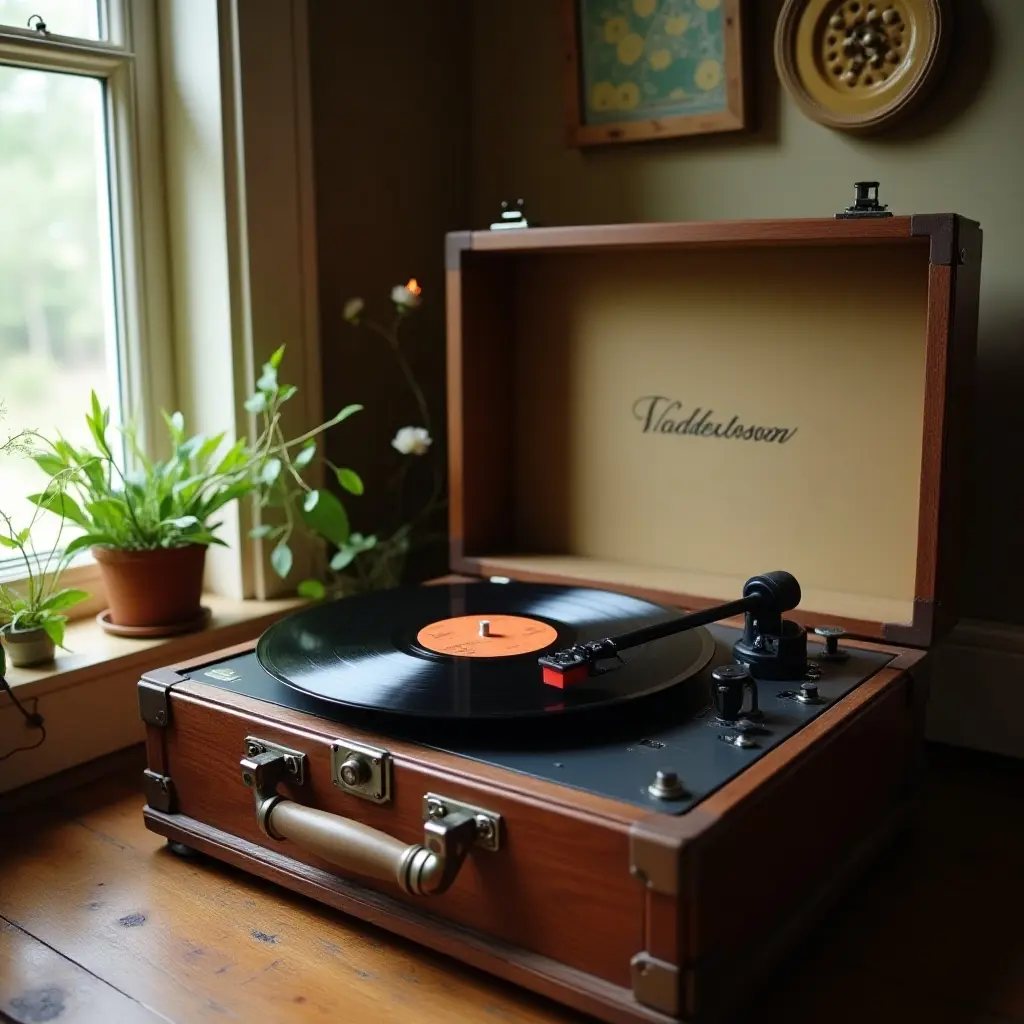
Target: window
column 82, row 290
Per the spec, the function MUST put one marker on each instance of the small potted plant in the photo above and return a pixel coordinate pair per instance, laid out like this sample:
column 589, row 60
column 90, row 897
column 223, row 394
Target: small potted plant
column 149, row 522
column 32, row 618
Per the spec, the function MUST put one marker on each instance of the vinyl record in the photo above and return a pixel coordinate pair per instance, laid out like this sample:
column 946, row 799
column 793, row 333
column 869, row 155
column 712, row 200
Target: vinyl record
column 419, row 651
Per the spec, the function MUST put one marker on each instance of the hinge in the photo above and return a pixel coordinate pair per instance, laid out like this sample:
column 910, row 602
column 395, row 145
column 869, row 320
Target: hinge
column 655, row 983
column 159, row 791
column 513, row 216
column 154, row 700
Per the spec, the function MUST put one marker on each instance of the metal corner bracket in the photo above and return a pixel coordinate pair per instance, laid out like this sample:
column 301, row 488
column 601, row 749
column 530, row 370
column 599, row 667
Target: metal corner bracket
column 655, row 983
column 154, row 703
column 159, row 791
column 654, row 862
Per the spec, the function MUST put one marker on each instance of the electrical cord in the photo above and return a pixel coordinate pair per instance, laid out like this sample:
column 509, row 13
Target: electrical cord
column 33, row 720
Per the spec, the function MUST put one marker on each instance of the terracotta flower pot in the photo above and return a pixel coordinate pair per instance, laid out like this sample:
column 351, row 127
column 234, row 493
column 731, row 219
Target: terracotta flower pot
column 26, row 647
column 162, row 587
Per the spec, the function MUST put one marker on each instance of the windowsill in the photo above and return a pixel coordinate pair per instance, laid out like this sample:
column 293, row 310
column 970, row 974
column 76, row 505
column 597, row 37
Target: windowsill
column 93, row 654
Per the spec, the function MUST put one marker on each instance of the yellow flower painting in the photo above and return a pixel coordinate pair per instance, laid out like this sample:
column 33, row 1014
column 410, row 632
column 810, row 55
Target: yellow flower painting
column 648, row 59
column 603, row 96
column 708, row 75
column 615, row 30
column 630, row 49
column 661, row 59
column 628, row 96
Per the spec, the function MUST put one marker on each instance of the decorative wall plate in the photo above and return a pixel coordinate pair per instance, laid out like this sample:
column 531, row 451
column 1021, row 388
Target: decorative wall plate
column 858, row 65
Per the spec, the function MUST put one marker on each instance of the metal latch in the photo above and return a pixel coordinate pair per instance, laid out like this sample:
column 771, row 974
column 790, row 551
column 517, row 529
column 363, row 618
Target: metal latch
column 361, row 770
column 865, row 204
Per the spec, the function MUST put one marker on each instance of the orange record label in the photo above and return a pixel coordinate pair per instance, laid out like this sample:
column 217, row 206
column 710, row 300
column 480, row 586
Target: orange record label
column 479, row 636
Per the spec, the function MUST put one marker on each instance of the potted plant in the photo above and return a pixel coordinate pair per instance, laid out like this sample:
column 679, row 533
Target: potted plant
column 32, row 618
column 149, row 522
column 376, row 561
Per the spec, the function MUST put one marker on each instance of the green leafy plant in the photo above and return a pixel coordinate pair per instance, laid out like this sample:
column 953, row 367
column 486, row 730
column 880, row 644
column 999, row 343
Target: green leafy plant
column 142, row 503
column 376, row 561
column 38, row 603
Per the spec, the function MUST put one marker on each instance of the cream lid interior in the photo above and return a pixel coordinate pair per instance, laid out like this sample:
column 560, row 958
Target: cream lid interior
column 685, row 419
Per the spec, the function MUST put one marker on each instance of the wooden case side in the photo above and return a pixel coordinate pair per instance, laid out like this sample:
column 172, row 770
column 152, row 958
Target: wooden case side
column 954, row 276
column 480, row 409
column 807, row 833
column 734, row 882
column 558, row 887
column 726, row 233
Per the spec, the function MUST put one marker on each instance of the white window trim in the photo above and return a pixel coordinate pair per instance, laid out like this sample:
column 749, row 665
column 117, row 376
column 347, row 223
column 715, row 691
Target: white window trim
column 239, row 209
column 235, row 86
column 139, row 265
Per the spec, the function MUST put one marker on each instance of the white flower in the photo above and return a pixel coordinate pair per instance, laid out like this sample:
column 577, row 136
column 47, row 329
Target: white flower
column 412, row 441
column 407, row 296
column 352, row 310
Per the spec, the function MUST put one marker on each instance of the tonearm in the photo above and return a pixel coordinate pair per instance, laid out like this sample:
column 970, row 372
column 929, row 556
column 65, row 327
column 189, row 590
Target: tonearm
column 772, row 647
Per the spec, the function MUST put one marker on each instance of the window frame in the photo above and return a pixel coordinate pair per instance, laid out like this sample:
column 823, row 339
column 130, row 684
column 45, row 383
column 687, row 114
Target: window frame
column 235, row 117
column 128, row 63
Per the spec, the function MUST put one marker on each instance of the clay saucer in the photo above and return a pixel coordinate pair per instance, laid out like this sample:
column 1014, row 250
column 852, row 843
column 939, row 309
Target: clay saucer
column 152, row 632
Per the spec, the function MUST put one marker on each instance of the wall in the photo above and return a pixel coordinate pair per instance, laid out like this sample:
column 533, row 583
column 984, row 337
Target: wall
column 391, row 133
column 423, row 123
column 963, row 153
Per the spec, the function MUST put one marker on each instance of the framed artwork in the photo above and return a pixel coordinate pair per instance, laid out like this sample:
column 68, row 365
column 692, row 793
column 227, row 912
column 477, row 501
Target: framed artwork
column 652, row 69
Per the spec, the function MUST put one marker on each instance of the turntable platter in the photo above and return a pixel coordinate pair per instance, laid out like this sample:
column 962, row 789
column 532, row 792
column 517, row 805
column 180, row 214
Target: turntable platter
column 465, row 651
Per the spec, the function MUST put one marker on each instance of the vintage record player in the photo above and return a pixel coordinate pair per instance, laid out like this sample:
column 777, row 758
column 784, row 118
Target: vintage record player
column 704, row 531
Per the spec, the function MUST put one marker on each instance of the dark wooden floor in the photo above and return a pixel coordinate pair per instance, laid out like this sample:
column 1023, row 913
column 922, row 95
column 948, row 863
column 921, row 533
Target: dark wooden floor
column 99, row 922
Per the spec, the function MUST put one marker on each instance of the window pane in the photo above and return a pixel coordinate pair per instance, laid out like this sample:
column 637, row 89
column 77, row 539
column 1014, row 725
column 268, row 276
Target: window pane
column 80, row 18
column 57, row 325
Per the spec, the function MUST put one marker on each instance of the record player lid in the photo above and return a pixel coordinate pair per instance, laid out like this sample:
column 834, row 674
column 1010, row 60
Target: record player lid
column 665, row 409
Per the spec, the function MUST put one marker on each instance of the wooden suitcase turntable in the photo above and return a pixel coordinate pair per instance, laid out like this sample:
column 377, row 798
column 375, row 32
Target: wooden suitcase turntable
column 611, row 758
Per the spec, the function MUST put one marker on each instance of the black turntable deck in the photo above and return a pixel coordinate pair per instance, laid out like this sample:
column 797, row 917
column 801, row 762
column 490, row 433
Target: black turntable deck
column 658, row 709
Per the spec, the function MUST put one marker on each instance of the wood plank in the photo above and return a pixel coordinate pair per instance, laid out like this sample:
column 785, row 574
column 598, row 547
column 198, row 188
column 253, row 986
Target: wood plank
column 205, row 942
column 39, row 984
column 930, row 935
column 120, row 762
column 573, row 989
